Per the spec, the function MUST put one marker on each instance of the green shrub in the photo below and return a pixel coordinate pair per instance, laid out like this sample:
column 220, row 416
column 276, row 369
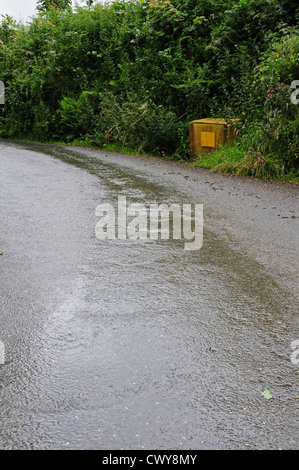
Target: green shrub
column 141, row 124
column 79, row 117
column 135, row 73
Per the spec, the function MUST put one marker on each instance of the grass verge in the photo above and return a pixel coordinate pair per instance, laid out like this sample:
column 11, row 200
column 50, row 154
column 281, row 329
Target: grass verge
column 236, row 159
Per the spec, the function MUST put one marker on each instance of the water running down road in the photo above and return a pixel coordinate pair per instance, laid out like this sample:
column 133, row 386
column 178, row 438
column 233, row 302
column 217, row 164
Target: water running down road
column 125, row 344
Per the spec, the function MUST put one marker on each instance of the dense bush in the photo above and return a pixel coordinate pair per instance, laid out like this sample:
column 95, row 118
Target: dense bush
column 137, row 72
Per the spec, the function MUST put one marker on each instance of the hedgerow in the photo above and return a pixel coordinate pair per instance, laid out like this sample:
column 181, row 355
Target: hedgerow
column 137, row 72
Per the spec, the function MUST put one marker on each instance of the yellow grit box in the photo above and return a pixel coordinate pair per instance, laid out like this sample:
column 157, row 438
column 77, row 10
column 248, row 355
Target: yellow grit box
column 208, row 134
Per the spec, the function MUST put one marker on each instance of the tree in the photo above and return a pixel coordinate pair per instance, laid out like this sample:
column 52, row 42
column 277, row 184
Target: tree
column 45, row 5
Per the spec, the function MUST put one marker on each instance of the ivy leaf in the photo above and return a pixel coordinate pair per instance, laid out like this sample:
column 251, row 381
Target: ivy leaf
column 267, row 394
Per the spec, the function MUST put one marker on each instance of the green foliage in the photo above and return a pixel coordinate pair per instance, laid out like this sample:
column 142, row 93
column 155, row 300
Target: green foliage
column 79, row 117
column 268, row 118
column 45, row 5
column 135, row 73
column 140, row 124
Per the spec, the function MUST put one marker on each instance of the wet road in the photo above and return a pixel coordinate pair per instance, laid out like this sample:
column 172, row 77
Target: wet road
column 124, row 344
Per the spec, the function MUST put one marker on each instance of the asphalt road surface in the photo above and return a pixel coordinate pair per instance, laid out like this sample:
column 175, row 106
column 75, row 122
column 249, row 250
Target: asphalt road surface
column 141, row 344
